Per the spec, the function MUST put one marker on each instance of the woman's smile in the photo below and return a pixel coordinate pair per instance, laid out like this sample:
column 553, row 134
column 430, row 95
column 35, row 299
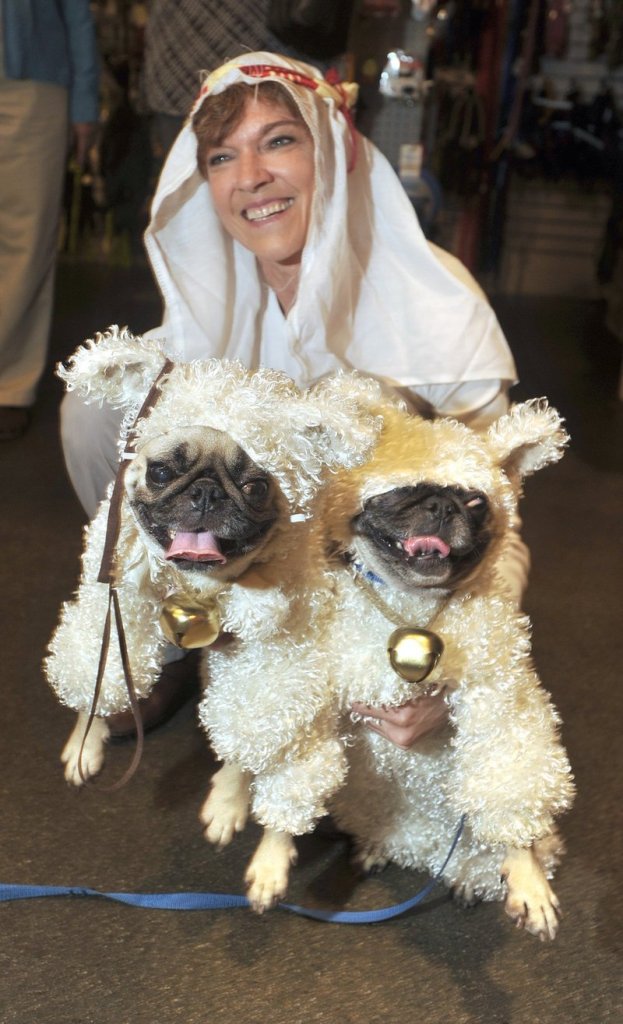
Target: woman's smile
column 258, row 213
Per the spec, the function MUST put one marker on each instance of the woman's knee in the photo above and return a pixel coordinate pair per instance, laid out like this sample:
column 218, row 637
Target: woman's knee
column 89, row 436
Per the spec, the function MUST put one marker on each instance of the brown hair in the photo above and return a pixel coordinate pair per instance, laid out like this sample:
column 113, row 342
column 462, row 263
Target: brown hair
column 221, row 113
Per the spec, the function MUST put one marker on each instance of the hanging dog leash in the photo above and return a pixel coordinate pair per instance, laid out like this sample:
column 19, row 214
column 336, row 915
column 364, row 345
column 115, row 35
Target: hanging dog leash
column 225, row 901
column 106, row 576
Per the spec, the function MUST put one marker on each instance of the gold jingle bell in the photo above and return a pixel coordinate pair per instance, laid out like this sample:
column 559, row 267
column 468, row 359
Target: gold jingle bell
column 413, row 653
column 189, row 625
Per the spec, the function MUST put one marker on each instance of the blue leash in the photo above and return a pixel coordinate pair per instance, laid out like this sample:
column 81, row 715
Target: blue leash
column 223, row 901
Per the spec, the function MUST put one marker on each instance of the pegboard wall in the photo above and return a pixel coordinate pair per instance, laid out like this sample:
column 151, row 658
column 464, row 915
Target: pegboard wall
column 555, row 224
column 577, row 67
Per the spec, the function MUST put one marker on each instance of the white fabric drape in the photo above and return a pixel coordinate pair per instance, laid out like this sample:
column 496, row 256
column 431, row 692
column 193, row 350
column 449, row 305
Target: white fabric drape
column 373, row 294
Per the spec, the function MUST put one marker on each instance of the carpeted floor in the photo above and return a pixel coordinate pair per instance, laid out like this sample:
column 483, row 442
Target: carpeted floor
column 87, row 961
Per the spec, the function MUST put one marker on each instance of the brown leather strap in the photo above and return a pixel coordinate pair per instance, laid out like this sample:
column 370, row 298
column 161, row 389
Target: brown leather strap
column 98, row 685
column 127, row 672
column 113, row 603
column 107, row 575
column 107, row 566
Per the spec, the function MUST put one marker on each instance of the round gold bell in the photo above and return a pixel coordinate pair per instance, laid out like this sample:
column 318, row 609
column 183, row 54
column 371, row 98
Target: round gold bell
column 413, row 653
column 189, row 625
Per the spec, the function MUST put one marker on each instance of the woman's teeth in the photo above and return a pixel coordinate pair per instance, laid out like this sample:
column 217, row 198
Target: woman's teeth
column 261, row 212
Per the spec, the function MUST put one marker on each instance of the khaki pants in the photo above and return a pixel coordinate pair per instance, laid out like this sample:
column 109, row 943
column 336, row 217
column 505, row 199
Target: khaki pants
column 33, row 154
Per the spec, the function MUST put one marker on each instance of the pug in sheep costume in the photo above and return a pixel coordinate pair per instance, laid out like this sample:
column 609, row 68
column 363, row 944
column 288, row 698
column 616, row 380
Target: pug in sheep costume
column 211, row 515
column 418, row 529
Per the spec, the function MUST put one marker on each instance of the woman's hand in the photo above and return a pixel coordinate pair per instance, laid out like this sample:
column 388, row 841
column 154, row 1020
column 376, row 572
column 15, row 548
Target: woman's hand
column 222, row 640
column 407, row 724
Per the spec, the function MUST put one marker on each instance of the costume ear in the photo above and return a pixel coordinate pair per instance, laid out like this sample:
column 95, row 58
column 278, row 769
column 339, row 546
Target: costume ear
column 116, row 367
column 531, row 435
column 346, row 412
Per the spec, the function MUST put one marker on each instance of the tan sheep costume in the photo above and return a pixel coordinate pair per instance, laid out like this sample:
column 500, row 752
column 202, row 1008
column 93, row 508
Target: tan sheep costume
column 500, row 762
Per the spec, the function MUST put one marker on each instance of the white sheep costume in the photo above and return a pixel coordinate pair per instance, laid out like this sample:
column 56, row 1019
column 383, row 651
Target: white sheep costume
column 500, row 762
column 296, row 437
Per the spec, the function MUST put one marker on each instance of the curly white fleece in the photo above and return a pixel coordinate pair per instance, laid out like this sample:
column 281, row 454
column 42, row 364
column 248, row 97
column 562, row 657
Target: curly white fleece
column 501, row 763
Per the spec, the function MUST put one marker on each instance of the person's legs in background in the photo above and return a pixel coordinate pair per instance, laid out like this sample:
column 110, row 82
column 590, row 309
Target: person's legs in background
column 33, row 154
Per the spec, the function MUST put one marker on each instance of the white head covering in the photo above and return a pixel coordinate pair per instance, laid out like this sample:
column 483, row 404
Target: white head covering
column 372, row 295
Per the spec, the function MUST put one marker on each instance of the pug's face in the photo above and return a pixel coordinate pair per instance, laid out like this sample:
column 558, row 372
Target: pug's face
column 202, row 501
column 423, row 535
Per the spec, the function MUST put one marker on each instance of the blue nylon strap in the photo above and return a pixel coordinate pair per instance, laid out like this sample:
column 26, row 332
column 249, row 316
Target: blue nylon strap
column 149, row 900
column 224, row 901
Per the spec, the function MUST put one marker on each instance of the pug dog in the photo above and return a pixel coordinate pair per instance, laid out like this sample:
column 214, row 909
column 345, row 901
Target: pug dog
column 212, row 532
column 417, row 534
column 197, row 512
column 414, row 538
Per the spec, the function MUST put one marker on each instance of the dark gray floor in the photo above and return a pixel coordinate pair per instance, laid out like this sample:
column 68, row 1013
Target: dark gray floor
column 77, row 961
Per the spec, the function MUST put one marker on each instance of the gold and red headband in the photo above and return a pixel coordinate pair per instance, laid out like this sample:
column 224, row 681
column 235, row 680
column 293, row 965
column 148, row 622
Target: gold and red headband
column 343, row 94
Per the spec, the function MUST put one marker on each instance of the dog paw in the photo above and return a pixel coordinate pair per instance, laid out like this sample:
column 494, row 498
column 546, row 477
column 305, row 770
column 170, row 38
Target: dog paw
column 267, row 875
column 531, row 903
column 264, row 893
column 464, row 896
column 226, row 808
column 221, row 820
column 367, row 860
column 538, row 914
column 83, row 762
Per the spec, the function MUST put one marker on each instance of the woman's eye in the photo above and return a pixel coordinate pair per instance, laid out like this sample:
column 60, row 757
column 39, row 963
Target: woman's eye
column 281, row 140
column 255, row 489
column 218, row 158
column 158, row 473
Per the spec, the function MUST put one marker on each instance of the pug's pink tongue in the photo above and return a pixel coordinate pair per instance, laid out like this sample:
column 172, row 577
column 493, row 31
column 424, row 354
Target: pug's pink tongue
column 196, row 547
column 424, row 545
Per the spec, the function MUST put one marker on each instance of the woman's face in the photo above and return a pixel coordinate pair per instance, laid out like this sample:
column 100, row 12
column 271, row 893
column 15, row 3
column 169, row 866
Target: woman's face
column 262, row 182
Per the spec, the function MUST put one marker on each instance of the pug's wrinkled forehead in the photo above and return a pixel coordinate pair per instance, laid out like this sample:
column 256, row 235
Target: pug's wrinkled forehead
column 184, row 453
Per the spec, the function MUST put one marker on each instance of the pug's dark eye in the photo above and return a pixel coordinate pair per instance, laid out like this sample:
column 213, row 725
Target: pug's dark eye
column 159, row 473
column 255, row 489
column 476, row 501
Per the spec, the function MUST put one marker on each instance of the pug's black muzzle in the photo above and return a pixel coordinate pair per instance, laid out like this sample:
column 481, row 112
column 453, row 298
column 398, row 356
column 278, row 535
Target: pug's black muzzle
column 206, row 521
column 432, row 531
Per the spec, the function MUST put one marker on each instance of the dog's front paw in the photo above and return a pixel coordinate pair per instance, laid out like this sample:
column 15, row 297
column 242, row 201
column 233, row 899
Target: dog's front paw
column 368, row 860
column 226, row 808
column 267, row 875
column 222, row 819
column 531, row 902
column 464, row 895
column 83, row 762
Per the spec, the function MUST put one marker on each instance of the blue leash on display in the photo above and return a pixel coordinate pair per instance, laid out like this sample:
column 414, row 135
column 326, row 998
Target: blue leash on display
column 223, row 901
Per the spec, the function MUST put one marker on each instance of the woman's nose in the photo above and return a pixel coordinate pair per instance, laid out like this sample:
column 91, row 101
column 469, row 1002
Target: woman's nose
column 252, row 171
